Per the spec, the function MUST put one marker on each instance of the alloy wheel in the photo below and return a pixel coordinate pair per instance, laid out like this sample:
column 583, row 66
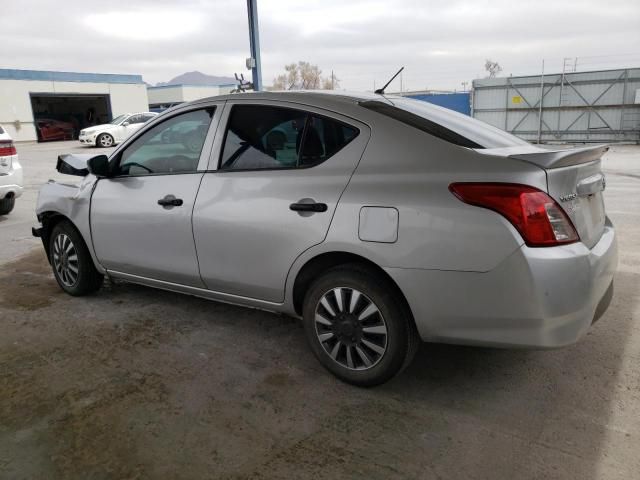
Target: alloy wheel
column 106, row 141
column 351, row 328
column 65, row 260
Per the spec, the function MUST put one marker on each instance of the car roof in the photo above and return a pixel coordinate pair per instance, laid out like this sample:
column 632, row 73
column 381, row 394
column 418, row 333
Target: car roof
column 319, row 96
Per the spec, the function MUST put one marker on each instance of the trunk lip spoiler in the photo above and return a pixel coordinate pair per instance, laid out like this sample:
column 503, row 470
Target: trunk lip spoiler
column 562, row 158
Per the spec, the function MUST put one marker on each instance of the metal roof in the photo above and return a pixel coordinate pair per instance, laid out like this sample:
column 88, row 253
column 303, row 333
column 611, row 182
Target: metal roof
column 157, row 87
column 44, row 75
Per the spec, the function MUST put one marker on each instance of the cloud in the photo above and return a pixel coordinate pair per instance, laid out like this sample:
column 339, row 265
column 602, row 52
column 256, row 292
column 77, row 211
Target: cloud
column 441, row 44
column 144, row 26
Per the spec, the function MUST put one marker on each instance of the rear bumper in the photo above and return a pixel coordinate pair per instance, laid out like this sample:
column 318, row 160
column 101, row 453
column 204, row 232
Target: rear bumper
column 11, row 181
column 537, row 297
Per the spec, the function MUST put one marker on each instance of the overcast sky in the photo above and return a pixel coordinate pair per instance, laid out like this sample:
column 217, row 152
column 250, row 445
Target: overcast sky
column 441, row 44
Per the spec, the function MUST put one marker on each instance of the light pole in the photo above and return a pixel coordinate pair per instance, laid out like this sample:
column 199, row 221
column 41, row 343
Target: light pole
column 254, row 43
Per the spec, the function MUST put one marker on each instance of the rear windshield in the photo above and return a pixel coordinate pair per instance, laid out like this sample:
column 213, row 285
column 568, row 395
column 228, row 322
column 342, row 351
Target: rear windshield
column 1, row 130
column 443, row 123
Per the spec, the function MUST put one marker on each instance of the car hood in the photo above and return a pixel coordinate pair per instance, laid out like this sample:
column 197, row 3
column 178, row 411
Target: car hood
column 103, row 127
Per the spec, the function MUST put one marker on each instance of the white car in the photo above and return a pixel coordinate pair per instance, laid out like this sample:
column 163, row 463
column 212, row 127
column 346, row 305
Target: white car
column 110, row 134
column 10, row 173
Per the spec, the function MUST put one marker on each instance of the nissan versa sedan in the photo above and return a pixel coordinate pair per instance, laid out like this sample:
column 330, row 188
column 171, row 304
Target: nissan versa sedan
column 379, row 221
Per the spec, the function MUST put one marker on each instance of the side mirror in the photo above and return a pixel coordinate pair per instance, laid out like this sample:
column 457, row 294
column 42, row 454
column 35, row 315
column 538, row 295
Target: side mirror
column 126, row 124
column 99, row 166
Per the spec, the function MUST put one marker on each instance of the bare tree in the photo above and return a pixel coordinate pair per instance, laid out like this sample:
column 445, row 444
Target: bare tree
column 331, row 83
column 492, row 67
column 303, row 76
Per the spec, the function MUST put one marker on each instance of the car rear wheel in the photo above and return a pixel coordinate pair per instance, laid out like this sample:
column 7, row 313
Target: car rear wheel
column 71, row 261
column 6, row 205
column 104, row 140
column 358, row 327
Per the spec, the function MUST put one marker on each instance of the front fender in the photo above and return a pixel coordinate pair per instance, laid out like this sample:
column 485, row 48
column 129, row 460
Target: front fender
column 72, row 201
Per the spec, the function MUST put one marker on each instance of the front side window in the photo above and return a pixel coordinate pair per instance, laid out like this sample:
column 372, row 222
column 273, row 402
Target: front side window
column 265, row 137
column 173, row 146
column 137, row 118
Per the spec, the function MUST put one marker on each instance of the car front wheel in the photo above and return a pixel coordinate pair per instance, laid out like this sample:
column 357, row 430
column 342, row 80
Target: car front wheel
column 358, row 326
column 71, row 261
column 104, row 140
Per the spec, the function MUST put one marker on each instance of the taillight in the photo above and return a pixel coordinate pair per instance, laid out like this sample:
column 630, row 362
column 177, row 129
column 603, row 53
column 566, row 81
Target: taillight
column 7, row 148
column 536, row 216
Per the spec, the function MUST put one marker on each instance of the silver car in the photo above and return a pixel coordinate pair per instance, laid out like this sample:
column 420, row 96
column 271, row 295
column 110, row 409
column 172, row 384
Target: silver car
column 380, row 221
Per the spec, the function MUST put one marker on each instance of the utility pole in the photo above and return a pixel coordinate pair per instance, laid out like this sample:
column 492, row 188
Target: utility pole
column 331, row 79
column 540, row 107
column 254, row 43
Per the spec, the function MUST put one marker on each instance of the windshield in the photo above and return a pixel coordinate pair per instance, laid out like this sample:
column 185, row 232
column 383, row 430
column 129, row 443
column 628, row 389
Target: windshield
column 444, row 123
column 118, row 119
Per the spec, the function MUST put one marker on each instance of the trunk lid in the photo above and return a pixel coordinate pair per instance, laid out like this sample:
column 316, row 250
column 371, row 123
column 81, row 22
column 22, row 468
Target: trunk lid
column 574, row 180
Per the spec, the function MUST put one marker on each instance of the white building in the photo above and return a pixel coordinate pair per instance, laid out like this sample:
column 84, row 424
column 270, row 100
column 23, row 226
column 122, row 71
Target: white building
column 166, row 96
column 41, row 105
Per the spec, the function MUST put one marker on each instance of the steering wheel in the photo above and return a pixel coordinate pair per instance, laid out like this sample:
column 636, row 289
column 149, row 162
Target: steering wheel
column 135, row 164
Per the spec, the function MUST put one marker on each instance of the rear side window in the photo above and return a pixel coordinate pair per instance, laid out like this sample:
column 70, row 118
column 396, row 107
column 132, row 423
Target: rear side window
column 443, row 123
column 266, row 137
column 1, row 130
column 419, row 122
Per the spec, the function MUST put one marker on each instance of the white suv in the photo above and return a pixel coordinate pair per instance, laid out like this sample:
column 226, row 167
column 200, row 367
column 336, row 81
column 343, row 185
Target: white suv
column 10, row 173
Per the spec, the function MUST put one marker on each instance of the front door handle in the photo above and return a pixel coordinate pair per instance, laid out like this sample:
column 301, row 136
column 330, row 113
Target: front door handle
column 170, row 201
column 308, row 207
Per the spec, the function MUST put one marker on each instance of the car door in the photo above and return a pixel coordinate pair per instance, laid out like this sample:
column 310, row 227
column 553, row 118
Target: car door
column 276, row 174
column 141, row 217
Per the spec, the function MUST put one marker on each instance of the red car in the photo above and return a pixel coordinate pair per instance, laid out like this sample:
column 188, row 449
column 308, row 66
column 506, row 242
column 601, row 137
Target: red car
column 49, row 129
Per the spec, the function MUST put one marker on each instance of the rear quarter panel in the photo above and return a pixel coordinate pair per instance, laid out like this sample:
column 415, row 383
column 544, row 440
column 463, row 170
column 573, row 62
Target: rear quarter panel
column 411, row 171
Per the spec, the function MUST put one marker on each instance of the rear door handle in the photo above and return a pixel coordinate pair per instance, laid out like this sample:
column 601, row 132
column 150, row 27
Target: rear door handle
column 170, row 201
column 308, row 207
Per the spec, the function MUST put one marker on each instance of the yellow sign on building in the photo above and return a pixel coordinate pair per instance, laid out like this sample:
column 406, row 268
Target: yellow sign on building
column 516, row 99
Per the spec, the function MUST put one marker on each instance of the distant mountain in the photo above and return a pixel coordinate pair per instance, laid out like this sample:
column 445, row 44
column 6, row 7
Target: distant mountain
column 197, row 78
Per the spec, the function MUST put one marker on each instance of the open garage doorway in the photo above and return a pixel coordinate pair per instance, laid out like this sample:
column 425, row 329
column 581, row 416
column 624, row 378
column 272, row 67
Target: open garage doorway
column 62, row 116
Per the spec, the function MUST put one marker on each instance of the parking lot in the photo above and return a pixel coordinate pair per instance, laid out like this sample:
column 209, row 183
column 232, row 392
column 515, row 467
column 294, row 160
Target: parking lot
column 135, row 383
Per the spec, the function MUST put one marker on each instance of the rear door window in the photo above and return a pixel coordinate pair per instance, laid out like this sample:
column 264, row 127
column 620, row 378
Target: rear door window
column 266, row 137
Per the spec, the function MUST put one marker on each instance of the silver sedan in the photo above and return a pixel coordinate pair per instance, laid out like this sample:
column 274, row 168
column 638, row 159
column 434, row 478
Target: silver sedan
column 380, row 221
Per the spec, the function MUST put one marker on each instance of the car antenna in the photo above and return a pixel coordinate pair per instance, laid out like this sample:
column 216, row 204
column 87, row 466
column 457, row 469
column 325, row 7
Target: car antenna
column 381, row 90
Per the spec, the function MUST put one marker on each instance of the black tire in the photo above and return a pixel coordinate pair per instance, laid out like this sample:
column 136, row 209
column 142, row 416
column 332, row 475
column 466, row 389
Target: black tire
column 87, row 279
column 401, row 338
column 105, row 140
column 6, row 205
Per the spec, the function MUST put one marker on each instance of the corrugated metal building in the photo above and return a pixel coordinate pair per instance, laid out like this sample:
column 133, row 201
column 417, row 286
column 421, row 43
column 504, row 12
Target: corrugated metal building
column 602, row 106
column 43, row 105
